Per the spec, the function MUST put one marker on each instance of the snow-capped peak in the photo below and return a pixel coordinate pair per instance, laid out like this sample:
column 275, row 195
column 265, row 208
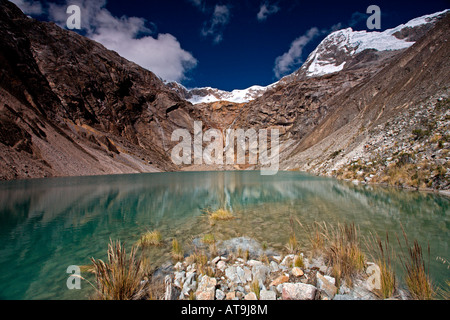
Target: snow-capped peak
column 208, row 94
column 332, row 54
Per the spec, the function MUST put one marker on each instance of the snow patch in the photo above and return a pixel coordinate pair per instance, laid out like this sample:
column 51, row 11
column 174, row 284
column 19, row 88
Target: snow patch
column 353, row 42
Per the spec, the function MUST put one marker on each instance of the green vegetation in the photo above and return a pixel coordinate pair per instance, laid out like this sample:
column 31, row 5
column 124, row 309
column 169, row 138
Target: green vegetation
column 420, row 133
column 298, row 262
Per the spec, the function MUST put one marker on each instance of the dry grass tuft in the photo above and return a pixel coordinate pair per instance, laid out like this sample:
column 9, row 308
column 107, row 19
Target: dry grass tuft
column 382, row 254
column 340, row 246
column 219, row 215
column 416, row 276
column 177, row 250
column 316, row 235
column 150, row 238
column 254, row 287
column 120, row 277
column 344, row 252
column 298, row 262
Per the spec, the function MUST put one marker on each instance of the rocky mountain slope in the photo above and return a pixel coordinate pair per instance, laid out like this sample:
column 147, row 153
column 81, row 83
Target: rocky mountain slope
column 349, row 49
column 68, row 106
column 329, row 122
column 413, row 85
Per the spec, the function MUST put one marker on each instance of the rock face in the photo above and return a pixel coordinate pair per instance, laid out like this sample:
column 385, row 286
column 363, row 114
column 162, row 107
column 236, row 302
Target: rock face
column 68, row 106
column 410, row 78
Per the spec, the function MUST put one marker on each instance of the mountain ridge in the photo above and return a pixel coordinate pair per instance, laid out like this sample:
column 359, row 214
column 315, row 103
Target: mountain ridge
column 320, row 62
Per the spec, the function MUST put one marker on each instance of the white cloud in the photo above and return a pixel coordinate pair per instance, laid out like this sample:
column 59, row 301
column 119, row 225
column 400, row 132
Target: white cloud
column 215, row 27
column 292, row 58
column 199, row 4
column 266, row 10
column 162, row 54
column 30, row 7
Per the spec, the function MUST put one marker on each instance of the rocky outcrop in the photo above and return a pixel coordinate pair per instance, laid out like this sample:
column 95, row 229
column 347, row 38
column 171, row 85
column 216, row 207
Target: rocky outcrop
column 413, row 80
column 275, row 277
column 71, row 107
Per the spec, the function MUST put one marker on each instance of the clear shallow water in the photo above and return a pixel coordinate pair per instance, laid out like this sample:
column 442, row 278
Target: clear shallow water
column 48, row 224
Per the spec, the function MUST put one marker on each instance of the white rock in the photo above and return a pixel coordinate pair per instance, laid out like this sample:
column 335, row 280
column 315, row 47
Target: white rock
column 220, row 295
column 178, row 266
column 298, row 291
column 274, row 266
column 267, row 295
column 221, row 265
column 252, row 263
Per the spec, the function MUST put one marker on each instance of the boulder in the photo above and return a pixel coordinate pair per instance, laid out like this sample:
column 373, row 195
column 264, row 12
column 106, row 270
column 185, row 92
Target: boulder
column 220, row 295
column 260, row 273
column 221, row 265
column 230, row 295
column 326, row 284
column 267, row 295
column 297, row 272
column 206, row 289
column 279, row 280
column 250, row 296
column 298, row 291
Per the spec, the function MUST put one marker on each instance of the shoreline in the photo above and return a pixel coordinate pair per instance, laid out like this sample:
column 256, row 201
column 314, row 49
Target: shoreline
column 443, row 192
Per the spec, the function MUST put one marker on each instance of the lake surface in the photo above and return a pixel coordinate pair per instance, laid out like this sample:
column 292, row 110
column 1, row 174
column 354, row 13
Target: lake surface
column 48, row 224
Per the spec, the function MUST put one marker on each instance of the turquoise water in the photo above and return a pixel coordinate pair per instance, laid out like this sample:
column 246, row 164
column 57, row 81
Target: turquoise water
column 48, row 224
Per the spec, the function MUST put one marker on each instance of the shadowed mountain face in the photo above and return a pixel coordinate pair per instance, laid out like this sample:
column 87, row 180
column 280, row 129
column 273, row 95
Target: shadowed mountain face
column 69, row 106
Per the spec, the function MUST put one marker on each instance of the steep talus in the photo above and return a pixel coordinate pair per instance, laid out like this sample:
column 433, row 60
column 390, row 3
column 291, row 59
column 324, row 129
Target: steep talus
column 418, row 76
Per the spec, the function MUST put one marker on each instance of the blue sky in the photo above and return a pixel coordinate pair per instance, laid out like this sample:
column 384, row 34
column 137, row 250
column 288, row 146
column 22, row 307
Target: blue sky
column 222, row 44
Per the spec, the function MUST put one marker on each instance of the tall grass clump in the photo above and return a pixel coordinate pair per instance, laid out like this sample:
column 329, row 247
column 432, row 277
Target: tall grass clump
column 254, row 287
column 339, row 245
column 417, row 277
column 383, row 254
column 177, row 250
column 292, row 246
column 316, row 235
column 344, row 252
column 120, row 277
